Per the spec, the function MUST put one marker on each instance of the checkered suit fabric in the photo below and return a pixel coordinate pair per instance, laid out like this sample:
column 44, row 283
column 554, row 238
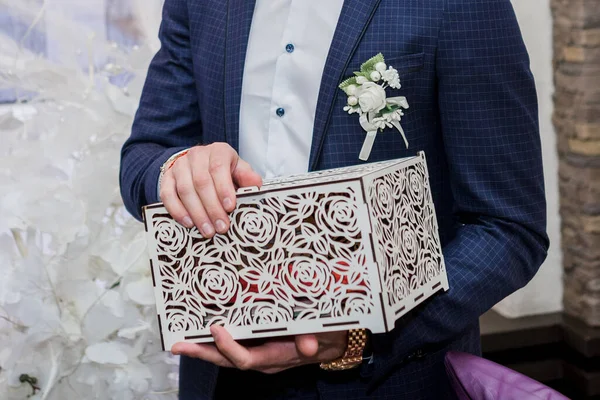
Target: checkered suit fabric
column 473, row 110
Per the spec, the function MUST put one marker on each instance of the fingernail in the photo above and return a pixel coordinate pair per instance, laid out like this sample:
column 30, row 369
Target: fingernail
column 208, row 230
column 221, row 226
column 227, row 203
column 187, row 222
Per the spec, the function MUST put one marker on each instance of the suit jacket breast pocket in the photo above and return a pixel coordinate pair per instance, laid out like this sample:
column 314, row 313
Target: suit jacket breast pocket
column 407, row 63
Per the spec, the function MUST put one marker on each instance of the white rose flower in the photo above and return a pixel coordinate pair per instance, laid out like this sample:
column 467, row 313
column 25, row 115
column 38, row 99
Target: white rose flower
column 361, row 80
column 371, row 97
column 380, row 67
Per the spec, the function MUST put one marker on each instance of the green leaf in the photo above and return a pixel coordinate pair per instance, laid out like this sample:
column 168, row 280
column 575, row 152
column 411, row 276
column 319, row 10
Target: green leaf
column 389, row 109
column 369, row 65
column 350, row 81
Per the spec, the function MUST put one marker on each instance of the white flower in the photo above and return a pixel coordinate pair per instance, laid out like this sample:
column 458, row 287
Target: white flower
column 74, row 265
column 380, row 67
column 369, row 92
column 352, row 110
column 397, row 115
column 392, row 78
column 371, row 97
column 379, row 122
column 130, row 333
column 375, row 76
column 141, row 291
column 106, row 353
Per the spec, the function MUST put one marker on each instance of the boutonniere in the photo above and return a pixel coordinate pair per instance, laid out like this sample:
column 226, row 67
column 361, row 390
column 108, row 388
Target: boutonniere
column 367, row 98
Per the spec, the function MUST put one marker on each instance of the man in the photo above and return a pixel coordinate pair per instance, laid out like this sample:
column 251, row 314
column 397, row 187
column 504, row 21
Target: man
column 260, row 78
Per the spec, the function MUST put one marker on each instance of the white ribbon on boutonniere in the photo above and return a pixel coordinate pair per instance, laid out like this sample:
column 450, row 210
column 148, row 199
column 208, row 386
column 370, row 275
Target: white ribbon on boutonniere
column 368, row 99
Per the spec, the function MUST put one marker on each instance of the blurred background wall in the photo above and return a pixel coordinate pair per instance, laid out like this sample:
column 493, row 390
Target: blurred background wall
column 544, row 293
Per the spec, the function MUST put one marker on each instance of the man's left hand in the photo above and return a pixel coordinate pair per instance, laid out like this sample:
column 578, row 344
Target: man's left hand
column 274, row 356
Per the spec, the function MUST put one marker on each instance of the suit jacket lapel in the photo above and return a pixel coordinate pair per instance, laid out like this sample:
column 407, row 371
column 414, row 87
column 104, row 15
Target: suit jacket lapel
column 239, row 20
column 354, row 20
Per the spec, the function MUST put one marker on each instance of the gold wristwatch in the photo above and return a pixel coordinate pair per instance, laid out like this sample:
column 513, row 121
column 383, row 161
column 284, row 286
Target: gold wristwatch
column 353, row 357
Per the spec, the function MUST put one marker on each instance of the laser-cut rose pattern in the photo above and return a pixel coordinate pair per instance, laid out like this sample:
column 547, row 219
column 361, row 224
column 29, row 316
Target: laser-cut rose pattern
column 407, row 247
column 281, row 260
column 302, row 255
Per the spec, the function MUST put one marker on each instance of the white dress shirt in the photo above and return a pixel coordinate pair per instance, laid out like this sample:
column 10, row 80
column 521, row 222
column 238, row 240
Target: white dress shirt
column 287, row 50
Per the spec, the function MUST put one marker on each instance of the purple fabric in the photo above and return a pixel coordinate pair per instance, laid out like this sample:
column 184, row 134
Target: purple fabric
column 475, row 378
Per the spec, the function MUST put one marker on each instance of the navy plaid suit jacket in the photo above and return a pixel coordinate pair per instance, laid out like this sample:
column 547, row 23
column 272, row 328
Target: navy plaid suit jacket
column 465, row 71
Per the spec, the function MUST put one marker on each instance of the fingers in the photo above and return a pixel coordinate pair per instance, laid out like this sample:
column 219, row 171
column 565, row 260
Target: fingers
column 171, row 201
column 222, row 163
column 244, row 175
column 204, row 185
column 307, row 345
column 199, row 189
column 206, row 352
column 272, row 357
column 331, row 345
column 239, row 355
column 187, row 192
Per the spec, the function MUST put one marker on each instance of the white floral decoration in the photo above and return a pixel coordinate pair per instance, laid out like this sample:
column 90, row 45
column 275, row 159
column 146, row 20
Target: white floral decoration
column 75, row 317
column 367, row 97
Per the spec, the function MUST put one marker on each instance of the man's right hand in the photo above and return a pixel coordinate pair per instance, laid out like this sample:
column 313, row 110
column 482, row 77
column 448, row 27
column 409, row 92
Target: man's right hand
column 200, row 188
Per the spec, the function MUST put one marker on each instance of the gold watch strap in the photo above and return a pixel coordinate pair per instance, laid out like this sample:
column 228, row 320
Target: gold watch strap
column 353, row 357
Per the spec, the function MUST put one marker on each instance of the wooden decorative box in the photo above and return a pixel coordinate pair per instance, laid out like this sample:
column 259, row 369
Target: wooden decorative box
column 346, row 248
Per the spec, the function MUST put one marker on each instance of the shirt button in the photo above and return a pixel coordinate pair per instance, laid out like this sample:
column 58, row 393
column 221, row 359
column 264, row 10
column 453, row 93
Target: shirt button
column 290, row 48
column 280, row 112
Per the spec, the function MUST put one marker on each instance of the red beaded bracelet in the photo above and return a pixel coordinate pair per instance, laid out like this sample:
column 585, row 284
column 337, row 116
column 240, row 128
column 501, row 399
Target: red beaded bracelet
column 177, row 157
column 169, row 163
